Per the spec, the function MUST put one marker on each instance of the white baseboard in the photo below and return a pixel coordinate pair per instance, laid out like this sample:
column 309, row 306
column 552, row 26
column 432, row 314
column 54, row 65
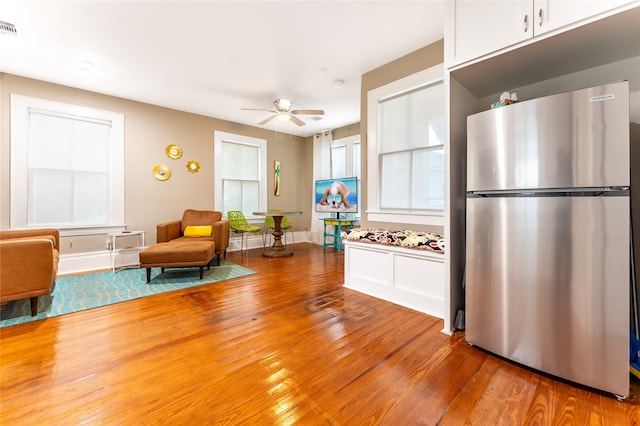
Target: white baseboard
column 83, row 262
column 100, row 260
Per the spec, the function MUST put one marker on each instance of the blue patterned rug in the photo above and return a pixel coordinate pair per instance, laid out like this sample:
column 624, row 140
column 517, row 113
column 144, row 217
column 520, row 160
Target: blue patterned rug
column 87, row 291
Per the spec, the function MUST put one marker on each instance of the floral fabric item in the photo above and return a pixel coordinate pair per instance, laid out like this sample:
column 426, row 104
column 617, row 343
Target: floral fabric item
column 404, row 238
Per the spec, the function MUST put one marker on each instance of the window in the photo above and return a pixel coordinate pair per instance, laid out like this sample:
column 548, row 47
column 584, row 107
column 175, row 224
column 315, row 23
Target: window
column 240, row 173
column 338, row 161
column 67, row 167
column 345, row 157
column 411, row 149
column 345, row 160
column 406, row 150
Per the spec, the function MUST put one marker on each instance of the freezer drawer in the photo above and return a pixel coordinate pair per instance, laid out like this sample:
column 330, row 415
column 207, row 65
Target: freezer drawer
column 576, row 139
column 547, row 285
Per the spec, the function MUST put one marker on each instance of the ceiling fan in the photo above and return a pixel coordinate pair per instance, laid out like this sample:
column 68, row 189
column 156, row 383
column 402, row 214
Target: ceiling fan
column 283, row 112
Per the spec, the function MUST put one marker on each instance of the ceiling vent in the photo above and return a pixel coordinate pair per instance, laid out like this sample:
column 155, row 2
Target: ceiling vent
column 7, row 28
column 314, row 118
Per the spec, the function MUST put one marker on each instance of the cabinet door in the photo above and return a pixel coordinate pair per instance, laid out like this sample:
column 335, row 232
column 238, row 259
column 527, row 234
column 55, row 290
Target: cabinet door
column 477, row 27
column 549, row 15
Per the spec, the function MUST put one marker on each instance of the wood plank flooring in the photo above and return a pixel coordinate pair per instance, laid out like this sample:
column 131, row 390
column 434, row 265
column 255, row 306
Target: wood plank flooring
column 287, row 346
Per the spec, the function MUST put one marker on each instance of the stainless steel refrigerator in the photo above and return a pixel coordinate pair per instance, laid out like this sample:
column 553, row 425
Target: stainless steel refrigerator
column 548, row 235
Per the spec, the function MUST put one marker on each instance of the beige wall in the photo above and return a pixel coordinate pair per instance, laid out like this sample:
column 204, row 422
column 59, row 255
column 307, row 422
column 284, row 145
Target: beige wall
column 412, row 63
column 148, row 131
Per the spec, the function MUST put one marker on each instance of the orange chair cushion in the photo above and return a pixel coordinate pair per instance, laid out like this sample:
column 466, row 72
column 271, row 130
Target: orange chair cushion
column 178, row 252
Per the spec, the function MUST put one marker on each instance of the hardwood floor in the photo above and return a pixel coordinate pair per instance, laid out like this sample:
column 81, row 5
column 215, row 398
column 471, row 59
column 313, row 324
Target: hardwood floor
column 288, row 345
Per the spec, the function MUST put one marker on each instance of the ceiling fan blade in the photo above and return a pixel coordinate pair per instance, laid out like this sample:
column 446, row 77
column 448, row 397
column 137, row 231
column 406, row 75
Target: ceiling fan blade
column 257, row 109
column 266, row 120
column 297, row 120
column 308, row 111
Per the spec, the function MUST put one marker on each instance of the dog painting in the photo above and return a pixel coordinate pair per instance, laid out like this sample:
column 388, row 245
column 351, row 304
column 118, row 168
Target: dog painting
column 331, row 198
column 336, row 195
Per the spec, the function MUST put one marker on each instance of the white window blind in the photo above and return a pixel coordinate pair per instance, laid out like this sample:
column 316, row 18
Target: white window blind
column 345, row 157
column 240, row 177
column 411, row 149
column 338, row 161
column 68, row 167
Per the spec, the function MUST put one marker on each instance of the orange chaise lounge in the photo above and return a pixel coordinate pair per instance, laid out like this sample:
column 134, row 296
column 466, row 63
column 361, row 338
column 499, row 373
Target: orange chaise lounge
column 190, row 242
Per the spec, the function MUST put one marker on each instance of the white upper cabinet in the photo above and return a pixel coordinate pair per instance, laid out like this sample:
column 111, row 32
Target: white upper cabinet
column 550, row 15
column 474, row 28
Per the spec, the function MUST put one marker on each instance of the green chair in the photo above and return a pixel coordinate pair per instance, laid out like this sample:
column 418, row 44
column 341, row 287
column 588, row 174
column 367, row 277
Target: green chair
column 269, row 226
column 238, row 224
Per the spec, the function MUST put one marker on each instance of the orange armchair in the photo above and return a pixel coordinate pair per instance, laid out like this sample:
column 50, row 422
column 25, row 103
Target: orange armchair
column 168, row 231
column 28, row 264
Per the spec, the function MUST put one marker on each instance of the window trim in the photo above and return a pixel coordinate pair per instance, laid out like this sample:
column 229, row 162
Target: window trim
column 218, row 138
column 20, row 107
column 427, row 77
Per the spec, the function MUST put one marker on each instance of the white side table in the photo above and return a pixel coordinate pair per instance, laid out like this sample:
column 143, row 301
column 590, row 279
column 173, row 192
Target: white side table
column 125, row 248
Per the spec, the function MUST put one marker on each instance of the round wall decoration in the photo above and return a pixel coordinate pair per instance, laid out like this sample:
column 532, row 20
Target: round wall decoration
column 174, row 151
column 193, row 166
column 161, row 172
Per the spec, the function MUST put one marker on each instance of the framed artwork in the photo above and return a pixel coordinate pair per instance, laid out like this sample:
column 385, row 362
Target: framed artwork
column 276, row 178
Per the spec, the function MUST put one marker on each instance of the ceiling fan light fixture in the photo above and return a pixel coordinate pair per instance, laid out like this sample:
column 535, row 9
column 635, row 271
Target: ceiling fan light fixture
column 283, row 104
column 284, row 113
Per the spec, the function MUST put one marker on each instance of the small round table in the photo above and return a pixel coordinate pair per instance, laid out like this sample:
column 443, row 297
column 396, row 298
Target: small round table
column 277, row 249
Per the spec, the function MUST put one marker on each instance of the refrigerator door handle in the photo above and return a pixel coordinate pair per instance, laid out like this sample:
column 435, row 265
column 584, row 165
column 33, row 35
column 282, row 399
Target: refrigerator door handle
column 556, row 192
